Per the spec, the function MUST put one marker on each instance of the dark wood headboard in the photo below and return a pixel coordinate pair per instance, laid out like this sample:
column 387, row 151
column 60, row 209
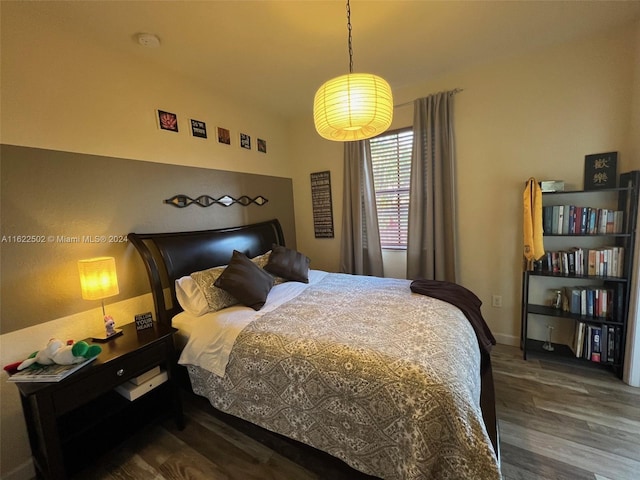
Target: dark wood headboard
column 169, row 256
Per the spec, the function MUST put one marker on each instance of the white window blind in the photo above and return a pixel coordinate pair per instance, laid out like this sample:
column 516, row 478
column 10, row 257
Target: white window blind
column 391, row 159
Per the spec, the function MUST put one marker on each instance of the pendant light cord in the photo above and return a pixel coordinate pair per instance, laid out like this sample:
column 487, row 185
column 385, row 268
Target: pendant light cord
column 350, row 40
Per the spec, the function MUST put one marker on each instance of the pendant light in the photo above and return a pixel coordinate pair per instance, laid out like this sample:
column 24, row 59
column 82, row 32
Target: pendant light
column 352, row 107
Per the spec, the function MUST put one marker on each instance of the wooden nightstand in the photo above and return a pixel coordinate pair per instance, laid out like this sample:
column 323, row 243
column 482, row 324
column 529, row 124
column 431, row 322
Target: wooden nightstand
column 74, row 421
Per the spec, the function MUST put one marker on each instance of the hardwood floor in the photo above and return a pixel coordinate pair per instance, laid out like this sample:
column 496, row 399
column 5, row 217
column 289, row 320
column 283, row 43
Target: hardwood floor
column 556, row 422
column 564, row 422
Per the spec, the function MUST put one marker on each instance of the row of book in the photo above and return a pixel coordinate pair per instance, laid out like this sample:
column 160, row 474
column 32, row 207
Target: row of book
column 574, row 220
column 596, row 302
column 602, row 262
column 598, row 343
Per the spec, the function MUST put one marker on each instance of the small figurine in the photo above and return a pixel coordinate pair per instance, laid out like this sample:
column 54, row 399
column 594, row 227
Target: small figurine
column 109, row 325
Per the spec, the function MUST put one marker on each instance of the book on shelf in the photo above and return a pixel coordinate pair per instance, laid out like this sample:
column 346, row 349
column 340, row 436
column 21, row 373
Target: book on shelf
column 597, row 343
column 604, row 354
column 579, row 339
column 594, row 262
column 595, row 346
column 594, row 302
column 48, row 373
column 617, row 300
column 610, row 343
column 578, row 220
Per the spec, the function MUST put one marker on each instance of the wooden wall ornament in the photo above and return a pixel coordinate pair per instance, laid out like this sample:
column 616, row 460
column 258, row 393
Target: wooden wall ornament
column 322, row 204
column 182, row 201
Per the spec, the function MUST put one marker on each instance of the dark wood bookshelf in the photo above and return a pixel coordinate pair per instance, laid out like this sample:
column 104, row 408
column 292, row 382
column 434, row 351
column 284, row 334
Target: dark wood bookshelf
column 627, row 201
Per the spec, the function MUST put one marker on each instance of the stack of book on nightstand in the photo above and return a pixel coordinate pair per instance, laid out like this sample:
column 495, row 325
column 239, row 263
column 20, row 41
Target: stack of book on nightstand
column 144, row 383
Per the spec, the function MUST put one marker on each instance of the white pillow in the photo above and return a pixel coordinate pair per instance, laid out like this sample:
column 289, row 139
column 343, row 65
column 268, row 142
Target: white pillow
column 190, row 297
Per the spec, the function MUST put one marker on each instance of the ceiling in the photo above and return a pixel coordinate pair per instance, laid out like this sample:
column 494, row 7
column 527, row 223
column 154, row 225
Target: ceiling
column 275, row 54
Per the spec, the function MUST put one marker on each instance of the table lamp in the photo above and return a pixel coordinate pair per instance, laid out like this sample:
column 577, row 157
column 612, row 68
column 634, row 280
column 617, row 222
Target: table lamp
column 98, row 281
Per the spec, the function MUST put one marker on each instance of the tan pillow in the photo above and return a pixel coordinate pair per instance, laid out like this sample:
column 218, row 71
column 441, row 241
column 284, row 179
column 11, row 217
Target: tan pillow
column 216, row 298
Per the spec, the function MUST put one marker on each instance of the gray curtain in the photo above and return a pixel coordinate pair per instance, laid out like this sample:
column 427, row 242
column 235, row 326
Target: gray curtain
column 431, row 242
column 360, row 251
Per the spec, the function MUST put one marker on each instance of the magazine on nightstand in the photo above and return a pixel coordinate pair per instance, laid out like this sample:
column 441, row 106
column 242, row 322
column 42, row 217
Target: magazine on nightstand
column 47, row 373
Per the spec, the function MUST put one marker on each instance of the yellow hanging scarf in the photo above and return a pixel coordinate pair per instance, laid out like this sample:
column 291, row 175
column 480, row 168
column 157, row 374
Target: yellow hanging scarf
column 532, row 202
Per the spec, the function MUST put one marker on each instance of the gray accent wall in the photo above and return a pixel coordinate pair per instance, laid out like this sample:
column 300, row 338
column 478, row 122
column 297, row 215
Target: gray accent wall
column 59, row 207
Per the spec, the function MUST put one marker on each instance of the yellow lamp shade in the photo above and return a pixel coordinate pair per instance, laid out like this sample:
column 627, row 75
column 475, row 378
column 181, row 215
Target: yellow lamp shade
column 98, row 278
column 353, row 107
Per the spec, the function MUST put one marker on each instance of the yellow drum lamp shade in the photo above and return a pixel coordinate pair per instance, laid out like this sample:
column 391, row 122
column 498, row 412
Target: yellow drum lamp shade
column 353, row 107
column 98, row 278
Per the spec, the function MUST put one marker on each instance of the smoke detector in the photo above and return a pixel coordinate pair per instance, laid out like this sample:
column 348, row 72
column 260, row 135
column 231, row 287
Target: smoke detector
column 148, row 40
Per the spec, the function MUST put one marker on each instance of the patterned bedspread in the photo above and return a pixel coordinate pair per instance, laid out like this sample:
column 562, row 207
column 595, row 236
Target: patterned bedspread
column 361, row 368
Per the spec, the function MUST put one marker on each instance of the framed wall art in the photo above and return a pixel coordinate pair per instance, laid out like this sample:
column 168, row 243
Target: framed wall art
column 600, row 171
column 224, row 136
column 245, row 141
column 322, row 204
column 167, row 121
column 198, row 128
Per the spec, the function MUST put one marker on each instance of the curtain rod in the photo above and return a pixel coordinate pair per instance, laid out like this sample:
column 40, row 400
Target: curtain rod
column 451, row 92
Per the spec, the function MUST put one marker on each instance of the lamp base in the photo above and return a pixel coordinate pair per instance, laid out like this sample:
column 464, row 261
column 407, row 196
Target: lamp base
column 105, row 338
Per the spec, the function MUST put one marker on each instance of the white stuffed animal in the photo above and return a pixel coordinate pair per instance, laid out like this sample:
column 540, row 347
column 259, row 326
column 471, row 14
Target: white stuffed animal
column 61, row 353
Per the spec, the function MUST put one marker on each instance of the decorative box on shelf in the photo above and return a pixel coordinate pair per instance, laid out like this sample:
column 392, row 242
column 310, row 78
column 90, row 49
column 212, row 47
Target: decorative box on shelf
column 552, row 186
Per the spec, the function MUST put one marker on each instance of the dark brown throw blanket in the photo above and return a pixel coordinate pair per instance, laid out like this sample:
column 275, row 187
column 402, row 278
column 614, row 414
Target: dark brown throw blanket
column 462, row 298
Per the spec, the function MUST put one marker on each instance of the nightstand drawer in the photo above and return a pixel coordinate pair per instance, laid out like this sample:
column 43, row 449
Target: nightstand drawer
column 108, row 377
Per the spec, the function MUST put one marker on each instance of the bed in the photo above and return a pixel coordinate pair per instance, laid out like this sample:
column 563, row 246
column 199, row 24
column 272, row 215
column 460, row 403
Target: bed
column 396, row 384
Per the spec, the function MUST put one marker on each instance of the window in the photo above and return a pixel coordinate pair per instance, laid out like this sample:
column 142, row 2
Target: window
column 391, row 159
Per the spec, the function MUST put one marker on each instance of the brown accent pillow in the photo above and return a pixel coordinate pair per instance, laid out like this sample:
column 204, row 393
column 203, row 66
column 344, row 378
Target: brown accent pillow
column 245, row 281
column 287, row 263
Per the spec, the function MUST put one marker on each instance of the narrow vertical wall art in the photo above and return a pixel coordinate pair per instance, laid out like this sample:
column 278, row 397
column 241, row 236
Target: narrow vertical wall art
column 322, row 204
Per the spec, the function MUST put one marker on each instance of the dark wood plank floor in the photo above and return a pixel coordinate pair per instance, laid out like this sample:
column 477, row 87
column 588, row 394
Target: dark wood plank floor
column 556, row 422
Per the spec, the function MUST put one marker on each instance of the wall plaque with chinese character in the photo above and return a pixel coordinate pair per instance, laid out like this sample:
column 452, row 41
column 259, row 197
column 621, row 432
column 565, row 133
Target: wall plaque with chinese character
column 600, row 171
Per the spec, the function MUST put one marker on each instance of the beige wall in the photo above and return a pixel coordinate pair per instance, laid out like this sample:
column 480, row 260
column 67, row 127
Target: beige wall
column 634, row 124
column 62, row 93
column 536, row 115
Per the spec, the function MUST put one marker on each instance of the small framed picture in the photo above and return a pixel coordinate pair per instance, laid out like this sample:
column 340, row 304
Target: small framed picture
column 224, row 136
column 198, row 128
column 600, row 171
column 262, row 145
column 245, row 141
column 167, row 121
column 144, row 321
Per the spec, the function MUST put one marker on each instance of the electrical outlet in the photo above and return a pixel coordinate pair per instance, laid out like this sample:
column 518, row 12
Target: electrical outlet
column 496, row 301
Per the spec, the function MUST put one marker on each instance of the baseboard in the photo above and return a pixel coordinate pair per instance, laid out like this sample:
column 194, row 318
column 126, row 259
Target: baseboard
column 26, row 471
column 505, row 339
